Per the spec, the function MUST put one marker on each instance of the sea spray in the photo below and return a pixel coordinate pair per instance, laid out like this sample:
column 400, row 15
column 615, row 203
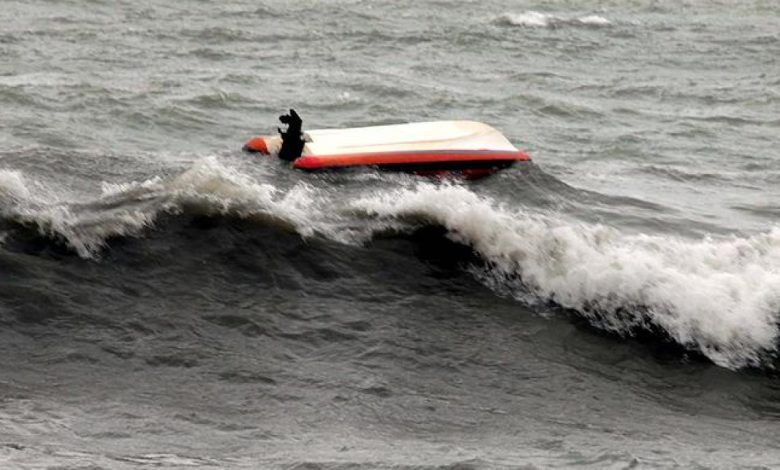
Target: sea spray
column 13, row 189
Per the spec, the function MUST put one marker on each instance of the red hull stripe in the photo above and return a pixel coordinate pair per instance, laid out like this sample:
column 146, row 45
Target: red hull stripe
column 258, row 145
column 313, row 162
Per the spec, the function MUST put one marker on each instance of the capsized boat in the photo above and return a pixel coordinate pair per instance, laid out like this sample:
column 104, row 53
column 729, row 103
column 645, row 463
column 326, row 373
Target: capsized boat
column 467, row 148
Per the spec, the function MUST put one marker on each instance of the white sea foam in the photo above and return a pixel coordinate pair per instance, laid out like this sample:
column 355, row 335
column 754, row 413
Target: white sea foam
column 535, row 19
column 718, row 296
column 528, row 18
column 13, row 188
column 594, row 20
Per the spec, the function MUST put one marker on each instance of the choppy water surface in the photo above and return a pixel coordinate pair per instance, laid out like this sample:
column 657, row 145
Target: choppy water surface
column 168, row 301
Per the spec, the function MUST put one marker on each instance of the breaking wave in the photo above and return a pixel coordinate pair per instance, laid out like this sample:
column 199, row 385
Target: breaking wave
column 720, row 297
column 127, row 209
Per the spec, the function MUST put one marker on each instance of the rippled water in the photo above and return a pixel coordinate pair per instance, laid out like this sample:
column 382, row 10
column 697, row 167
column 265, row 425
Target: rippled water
column 168, row 301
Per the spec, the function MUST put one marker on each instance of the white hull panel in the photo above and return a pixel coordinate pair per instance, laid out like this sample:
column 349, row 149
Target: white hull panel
column 419, row 136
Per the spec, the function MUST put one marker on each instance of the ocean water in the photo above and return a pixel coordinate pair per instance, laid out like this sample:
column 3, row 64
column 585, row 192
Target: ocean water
column 168, row 301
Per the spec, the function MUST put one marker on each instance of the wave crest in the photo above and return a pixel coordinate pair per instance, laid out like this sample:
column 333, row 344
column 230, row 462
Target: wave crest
column 535, row 19
column 127, row 209
column 720, row 297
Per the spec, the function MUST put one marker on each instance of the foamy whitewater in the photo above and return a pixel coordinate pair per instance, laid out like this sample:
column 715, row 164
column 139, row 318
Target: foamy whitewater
column 169, row 301
column 546, row 20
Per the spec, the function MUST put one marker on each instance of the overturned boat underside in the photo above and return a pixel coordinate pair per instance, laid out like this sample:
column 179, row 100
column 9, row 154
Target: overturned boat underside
column 467, row 147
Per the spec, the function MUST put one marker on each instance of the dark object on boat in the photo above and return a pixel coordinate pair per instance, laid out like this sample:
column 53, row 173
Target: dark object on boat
column 292, row 138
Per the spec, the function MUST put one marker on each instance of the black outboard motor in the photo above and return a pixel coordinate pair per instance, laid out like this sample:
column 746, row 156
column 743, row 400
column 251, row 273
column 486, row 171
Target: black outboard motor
column 292, row 139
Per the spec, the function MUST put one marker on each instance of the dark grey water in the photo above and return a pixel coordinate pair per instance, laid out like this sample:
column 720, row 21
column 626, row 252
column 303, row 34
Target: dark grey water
column 167, row 301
